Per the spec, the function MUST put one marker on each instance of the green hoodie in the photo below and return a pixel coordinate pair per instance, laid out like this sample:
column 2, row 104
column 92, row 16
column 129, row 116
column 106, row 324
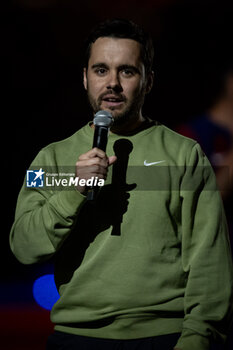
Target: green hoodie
column 149, row 257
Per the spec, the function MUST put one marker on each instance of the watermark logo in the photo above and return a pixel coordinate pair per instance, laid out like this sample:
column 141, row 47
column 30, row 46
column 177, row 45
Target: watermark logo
column 54, row 180
column 35, row 178
column 151, row 177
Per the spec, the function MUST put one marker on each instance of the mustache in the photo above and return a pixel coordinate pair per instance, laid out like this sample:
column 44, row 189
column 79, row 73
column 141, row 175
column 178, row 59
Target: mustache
column 113, row 95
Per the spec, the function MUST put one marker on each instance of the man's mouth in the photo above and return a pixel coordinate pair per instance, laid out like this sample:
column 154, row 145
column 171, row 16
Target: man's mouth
column 112, row 100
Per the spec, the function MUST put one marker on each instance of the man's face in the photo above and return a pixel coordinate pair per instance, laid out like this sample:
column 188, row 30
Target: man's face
column 115, row 79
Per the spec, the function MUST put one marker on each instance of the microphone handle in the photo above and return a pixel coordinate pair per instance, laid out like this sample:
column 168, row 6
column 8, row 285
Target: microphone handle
column 99, row 141
column 100, row 137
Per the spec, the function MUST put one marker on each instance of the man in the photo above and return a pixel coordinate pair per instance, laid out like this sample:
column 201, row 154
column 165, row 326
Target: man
column 147, row 265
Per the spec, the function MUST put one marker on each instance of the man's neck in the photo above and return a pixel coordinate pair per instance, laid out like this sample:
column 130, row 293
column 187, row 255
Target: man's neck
column 129, row 127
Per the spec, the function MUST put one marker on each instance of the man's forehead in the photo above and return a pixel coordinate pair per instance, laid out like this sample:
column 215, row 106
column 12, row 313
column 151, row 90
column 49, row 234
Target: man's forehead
column 114, row 49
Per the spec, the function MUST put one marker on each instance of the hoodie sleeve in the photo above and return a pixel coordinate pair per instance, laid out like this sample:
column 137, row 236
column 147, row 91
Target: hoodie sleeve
column 43, row 218
column 206, row 257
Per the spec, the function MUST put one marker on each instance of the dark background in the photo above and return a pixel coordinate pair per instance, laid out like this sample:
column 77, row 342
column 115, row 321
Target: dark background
column 43, row 100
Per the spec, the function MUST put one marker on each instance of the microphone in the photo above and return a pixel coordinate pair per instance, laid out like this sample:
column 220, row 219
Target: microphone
column 103, row 120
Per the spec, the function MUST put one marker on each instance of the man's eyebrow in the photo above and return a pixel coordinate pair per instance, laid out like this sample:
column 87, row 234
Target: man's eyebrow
column 99, row 65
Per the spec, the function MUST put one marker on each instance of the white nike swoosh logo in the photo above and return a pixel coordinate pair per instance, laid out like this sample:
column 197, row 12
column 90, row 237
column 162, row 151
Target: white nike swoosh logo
column 153, row 163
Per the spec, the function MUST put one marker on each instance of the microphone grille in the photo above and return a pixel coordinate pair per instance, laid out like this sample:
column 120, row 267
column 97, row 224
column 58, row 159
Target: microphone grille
column 103, row 118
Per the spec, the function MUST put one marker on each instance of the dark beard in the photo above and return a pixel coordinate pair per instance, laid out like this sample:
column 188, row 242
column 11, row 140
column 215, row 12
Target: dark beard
column 125, row 118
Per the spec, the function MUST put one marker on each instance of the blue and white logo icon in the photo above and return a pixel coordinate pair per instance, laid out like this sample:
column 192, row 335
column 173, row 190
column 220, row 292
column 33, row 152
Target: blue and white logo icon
column 35, row 178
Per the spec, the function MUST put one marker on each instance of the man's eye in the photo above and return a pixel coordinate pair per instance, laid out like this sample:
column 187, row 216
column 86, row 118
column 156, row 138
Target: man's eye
column 100, row 71
column 127, row 72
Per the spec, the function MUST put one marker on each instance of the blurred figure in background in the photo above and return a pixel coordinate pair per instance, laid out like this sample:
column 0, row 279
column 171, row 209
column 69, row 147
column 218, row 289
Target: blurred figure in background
column 214, row 131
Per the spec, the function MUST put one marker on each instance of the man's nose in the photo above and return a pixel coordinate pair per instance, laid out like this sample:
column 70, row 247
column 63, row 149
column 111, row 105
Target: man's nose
column 114, row 82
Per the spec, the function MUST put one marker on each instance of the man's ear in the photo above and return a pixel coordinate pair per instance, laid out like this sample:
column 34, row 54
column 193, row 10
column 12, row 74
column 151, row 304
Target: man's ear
column 150, row 82
column 85, row 78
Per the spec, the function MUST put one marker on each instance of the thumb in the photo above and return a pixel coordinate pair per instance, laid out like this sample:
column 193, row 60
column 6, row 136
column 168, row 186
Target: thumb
column 112, row 160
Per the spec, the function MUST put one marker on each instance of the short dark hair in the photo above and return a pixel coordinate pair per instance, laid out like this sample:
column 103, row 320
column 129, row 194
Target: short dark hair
column 122, row 29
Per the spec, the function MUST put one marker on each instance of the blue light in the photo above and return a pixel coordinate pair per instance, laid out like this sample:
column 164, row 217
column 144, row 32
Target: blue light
column 45, row 292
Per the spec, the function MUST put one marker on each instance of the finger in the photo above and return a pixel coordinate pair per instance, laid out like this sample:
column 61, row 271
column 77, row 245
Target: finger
column 94, row 170
column 112, row 160
column 93, row 161
column 94, row 152
column 90, row 171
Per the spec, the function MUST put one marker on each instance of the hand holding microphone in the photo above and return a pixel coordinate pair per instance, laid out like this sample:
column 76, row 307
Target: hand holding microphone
column 95, row 162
